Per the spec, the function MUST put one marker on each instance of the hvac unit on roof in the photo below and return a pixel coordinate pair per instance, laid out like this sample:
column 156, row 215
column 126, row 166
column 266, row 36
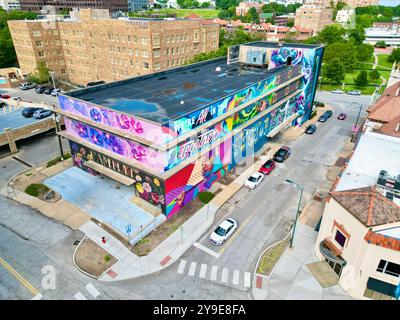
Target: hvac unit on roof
column 182, row 102
column 218, row 69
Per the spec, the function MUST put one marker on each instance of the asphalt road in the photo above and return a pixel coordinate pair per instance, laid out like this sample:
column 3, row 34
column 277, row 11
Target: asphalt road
column 29, row 241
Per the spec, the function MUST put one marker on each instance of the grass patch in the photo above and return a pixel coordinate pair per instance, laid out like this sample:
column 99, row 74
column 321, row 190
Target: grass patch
column 382, row 62
column 36, row 189
column 364, row 90
column 271, row 257
column 182, row 13
column 205, row 197
column 57, row 160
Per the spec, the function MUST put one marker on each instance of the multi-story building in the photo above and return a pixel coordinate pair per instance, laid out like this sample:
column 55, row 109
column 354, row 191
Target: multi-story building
column 136, row 5
column 359, row 236
column 58, row 5
column 345, row 16
column 391, row 36
column 9, row 5
column 173, row 134
column 315, row 17
column 243, row 8
column 91, row 46
column 350, row 3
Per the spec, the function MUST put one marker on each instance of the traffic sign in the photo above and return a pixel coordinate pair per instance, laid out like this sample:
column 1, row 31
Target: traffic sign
column 128, row 228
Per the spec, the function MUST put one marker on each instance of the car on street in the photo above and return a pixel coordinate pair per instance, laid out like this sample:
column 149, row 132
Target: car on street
column 40, row 114
column 55, row 92
column 48, row 90
column 27, row 86
column 354, row 92
column 254, row 180
column 28, row 112
column 342, row 116
column 225, row 229
column 311, row 129
column 282, row 154
column 267, row 167
column 4, row 96
column 325, row 116
column 40, row 89
column 337, row 91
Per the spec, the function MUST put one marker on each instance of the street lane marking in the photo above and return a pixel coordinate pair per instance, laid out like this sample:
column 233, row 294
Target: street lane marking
column 235, row 279
column 234, row 236
column 214, row 271
column 224, row 276
column 37, row 297
column 19, row 277
column 182, row 266
column 93, row 291
column 203, row 271
column 192, row 269
column 80, row 296
column 206, row 250
column 247, row 280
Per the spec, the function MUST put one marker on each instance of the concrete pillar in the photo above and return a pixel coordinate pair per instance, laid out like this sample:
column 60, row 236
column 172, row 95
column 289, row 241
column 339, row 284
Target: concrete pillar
column 11, row 141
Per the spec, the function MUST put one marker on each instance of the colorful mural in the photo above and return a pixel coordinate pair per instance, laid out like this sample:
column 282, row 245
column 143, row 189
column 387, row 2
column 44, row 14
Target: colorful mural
column 119, row 121
column 198, row 176
column 146, row 186
column 216, row 109
column 144, row 155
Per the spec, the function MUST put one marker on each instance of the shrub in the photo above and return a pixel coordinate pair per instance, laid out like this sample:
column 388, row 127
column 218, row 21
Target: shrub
column 57, row 160
column 36, row 189
column 205, row 197
column 107, row 258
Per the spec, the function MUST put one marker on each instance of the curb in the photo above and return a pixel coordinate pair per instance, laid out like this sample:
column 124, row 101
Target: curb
column 76, row 266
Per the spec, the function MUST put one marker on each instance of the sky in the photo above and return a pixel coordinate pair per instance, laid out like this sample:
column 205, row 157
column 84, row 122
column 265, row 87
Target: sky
column 389, row 2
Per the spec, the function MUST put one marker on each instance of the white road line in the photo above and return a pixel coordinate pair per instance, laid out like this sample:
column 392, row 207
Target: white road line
column 203, row 271
column 80, row 296
column 235, row 279
column 206, row 250
column 93, row 291
column 247, row 279
column 37, row 297
column 214, row 271
column 182, row 266
column 192, row 269
column 224, row 276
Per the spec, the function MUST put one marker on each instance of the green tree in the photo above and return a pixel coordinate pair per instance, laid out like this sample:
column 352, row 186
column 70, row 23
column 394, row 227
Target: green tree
column 361, row 79
column 334, row 70
column 380, row 44
column 374, row 75
column 331, row 34
column 41, row 74
column 358, row 34
column 394, row 56
column 365, row 52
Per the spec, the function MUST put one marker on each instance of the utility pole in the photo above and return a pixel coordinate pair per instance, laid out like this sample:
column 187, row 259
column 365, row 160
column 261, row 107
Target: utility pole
column 298, row 209
column 57, row 118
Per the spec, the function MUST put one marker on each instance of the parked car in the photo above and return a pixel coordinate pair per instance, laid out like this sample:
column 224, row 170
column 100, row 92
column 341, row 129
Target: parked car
column 282, row 154
column 40, row 114
column 325, row 116
column 254, row 180
column 223, row 231
column 55, row 92
column 27, row 86
column 40, row 89
column 311, row 129
column 337, row 91
column 28, row 112
column 342, row 116
column 354, row 92
column 4, row 96
column 48, row 90
column 267, row 167
column 16, row 98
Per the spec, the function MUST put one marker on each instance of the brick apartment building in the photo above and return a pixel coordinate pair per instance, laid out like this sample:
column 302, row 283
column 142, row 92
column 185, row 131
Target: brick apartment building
column 37, row 5
column 351, row 3
column 313, row 17
column 91, row 46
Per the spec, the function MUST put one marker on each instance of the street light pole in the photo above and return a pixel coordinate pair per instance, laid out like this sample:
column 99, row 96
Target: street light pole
column 52, row 78
column 358, row 117
column 57, row 120
column 298, row 209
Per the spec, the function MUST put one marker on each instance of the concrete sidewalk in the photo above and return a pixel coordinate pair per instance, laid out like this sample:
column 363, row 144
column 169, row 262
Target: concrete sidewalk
column 291, row 279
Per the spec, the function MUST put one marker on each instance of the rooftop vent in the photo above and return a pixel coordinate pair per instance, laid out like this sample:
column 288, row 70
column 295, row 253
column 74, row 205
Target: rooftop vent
column 163, row 78
column 218, row 69
column 182, row 102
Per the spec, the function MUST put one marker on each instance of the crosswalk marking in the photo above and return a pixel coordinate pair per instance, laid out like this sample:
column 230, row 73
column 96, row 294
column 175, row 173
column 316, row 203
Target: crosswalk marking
column 235, row 279
column 93, row 291
column 182, row 266
column 192, row 269
column 80, row 296
column 203, row 271
column 214, row 271
column 247, row 279
column 224, row 276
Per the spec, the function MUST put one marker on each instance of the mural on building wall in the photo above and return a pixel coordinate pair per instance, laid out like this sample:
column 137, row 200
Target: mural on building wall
column 119, row 121
column 198, row 176
column 310, row 60
column 146, row 156
column 199, row 117
column 146, row 186
column 207, row 137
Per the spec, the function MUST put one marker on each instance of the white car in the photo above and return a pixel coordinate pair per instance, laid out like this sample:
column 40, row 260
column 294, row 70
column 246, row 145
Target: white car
column 337, row 91
column 254, row 180
column 223, row 231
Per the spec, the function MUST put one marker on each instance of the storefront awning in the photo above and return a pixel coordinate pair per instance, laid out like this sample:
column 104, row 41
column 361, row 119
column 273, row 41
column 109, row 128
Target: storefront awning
column 110, row 173
column 381, row 286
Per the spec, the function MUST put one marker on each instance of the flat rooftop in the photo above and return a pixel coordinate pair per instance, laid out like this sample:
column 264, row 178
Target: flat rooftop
column 158, row 97
column 266, row 44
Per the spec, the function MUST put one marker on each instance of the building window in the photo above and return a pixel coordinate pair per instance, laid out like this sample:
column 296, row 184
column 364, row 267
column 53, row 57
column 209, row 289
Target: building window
column 340, row 238
column 38, row 43
column 41, row 53
column 389, row 268
column 156, row 53
column 144, row 40
column 145, row 54
column 145, row 65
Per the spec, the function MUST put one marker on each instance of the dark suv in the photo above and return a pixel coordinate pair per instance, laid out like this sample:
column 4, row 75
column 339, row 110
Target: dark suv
column 325, row 116
column 40, row 89
column 282, row 154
